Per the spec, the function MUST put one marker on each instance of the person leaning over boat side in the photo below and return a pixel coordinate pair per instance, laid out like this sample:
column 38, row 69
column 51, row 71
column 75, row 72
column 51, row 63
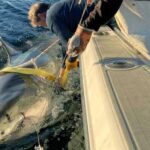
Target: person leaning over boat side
column 62, row 18
column 103, row 11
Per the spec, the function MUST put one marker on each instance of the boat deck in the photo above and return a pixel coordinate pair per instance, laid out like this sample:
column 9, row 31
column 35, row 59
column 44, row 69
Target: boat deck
column 115, row 79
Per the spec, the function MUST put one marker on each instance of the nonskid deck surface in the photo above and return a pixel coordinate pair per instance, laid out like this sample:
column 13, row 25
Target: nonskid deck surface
column 116, row 104
column 133, row 20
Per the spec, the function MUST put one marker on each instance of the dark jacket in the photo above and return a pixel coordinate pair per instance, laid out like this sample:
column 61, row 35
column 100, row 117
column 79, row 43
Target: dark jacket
column 104, row 10
column 63, row 18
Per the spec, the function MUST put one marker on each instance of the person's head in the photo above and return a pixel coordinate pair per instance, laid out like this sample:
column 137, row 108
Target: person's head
column 37, row 14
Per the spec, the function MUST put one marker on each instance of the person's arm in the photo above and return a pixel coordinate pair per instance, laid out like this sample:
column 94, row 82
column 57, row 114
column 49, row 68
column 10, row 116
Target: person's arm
column 102, row 13
column 56, row 24
column 61, row 30
column 104, row 10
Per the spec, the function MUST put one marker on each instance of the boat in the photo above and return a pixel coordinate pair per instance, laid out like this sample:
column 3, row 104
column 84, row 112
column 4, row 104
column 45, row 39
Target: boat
column 115, row 81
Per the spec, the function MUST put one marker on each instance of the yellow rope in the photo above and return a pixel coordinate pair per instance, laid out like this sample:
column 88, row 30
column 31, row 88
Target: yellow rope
column 29, row 71
column 64, row 78
column 69, row 66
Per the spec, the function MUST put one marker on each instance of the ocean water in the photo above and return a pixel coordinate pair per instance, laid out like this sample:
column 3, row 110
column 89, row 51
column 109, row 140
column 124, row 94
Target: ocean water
column 67, row 132
column 15, row 27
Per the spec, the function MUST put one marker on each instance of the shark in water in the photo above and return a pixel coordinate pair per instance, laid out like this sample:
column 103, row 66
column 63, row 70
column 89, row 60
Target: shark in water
column 12, row 85
column 23, row 104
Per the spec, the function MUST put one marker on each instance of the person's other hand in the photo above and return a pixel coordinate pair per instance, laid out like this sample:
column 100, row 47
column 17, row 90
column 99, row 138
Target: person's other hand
column 78, row 42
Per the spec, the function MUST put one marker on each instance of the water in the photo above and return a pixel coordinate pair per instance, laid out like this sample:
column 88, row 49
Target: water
column 14, row 25
column 16, row 30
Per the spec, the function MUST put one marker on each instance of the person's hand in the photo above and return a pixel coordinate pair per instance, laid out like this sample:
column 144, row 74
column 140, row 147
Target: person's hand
column 89, row 2
column 78, row 42
column 73, row 44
